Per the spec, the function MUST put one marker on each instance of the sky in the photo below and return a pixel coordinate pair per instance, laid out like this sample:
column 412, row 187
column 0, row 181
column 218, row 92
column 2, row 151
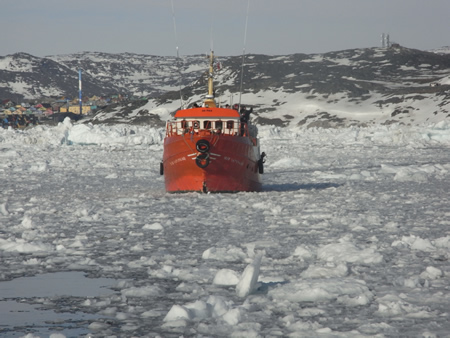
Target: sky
column 51, row 27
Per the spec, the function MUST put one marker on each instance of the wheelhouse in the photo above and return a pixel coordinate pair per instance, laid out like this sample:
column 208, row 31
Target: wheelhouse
column 218, row 120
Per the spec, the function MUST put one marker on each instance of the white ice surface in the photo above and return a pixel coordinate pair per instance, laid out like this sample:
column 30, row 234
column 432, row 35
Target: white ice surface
column 353, row 223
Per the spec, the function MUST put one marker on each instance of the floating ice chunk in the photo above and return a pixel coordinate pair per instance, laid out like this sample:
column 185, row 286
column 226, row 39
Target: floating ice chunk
column 32, row 261
column 233, row 316
column 137, row 247
column 293, row 221
column 359, row 300
column 112, row 176
column 415, row 243
column 3, row 210
column 150, row 314
column 415, row 177
column 250, row 250
column 277, row 210
column 177, row 312
column 409, row 173
column 97, row 326
column 443, row 242
column 311, row 312
column 366, row 173
column 391, row 226
column 153, row 226
column 38, row 167
column 81, row 212
column 388, row 169
column 431, row 273
column 300, row 326
column 395, row 307
column 30, row 235
column 214, row 307
column 57, row 335
column 84, row 134
column 249, row 277
column 303, row 252
column 260, row 205
column 373, row 328
column 348, row 252
column 87, row 302
column 321, row 290
column 175, row 323
column 422, row 245
column 109, row 311
column 231, row 254
column 219, row 305
column 199, row 309
column 412, row 282
column 288, row 162
column 226, row 277
column 146, row 291
column 76, row 244
column 355, row 177
column 20, row 245
column 67, row 123
column 328, row 271
column 195, row 310
column 27, row 222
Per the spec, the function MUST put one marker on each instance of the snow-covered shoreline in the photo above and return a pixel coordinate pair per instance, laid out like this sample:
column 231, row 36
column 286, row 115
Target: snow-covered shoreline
column 348, row 238
column 126, row 135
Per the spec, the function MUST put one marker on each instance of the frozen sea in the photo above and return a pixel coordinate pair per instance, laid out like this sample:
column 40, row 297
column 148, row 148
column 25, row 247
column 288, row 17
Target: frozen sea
column 349, row 238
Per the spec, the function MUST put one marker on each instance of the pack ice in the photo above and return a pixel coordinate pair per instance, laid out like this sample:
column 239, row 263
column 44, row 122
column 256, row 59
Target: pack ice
column 350, row 236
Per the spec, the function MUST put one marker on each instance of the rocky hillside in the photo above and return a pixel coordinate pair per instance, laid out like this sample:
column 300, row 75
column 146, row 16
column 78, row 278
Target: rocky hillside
column 26, row 76
column 23, row 76
column 351, row 87
column 357, row 86
column 137, row 74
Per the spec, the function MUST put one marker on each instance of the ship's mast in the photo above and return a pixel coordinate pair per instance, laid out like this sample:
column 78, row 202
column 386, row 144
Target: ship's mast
column 243, row 55
column 209, row 101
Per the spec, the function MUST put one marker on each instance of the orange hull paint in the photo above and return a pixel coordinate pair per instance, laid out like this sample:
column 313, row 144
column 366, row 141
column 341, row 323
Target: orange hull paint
column 233, row 164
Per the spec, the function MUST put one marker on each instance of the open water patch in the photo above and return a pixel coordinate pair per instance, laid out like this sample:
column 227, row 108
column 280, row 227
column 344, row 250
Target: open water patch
column 30, row 304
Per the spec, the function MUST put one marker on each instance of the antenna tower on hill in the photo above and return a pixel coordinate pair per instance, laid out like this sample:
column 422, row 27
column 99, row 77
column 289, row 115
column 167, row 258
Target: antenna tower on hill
column 385, row 41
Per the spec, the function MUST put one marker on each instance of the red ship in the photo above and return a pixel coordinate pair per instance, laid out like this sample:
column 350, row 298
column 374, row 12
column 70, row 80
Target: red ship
column 211, row 149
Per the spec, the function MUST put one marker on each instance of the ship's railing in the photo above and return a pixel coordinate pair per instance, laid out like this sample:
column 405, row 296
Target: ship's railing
column 223, row 127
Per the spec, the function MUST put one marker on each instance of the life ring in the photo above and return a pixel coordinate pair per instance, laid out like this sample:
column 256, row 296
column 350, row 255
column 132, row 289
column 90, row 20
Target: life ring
column 202, row 160
column 202, row 146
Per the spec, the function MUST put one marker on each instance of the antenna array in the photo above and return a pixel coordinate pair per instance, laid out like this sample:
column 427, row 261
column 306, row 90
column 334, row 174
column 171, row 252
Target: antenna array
column 385, row 41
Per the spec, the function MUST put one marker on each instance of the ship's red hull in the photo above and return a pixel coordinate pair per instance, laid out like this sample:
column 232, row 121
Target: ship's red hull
column 231, row 164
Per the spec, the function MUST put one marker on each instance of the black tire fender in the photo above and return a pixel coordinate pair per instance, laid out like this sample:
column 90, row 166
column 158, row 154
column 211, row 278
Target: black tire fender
column 202, row 146
column 202, row 160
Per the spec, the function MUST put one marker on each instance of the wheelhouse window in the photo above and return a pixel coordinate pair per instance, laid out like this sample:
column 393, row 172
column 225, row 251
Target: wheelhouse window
column 219, row 124
column 184, row 124
column 207, row 124
column 196, row 124
column 230, row 124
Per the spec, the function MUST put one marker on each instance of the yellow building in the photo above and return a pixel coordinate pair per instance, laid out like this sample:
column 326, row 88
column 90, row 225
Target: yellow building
column 75, row 109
